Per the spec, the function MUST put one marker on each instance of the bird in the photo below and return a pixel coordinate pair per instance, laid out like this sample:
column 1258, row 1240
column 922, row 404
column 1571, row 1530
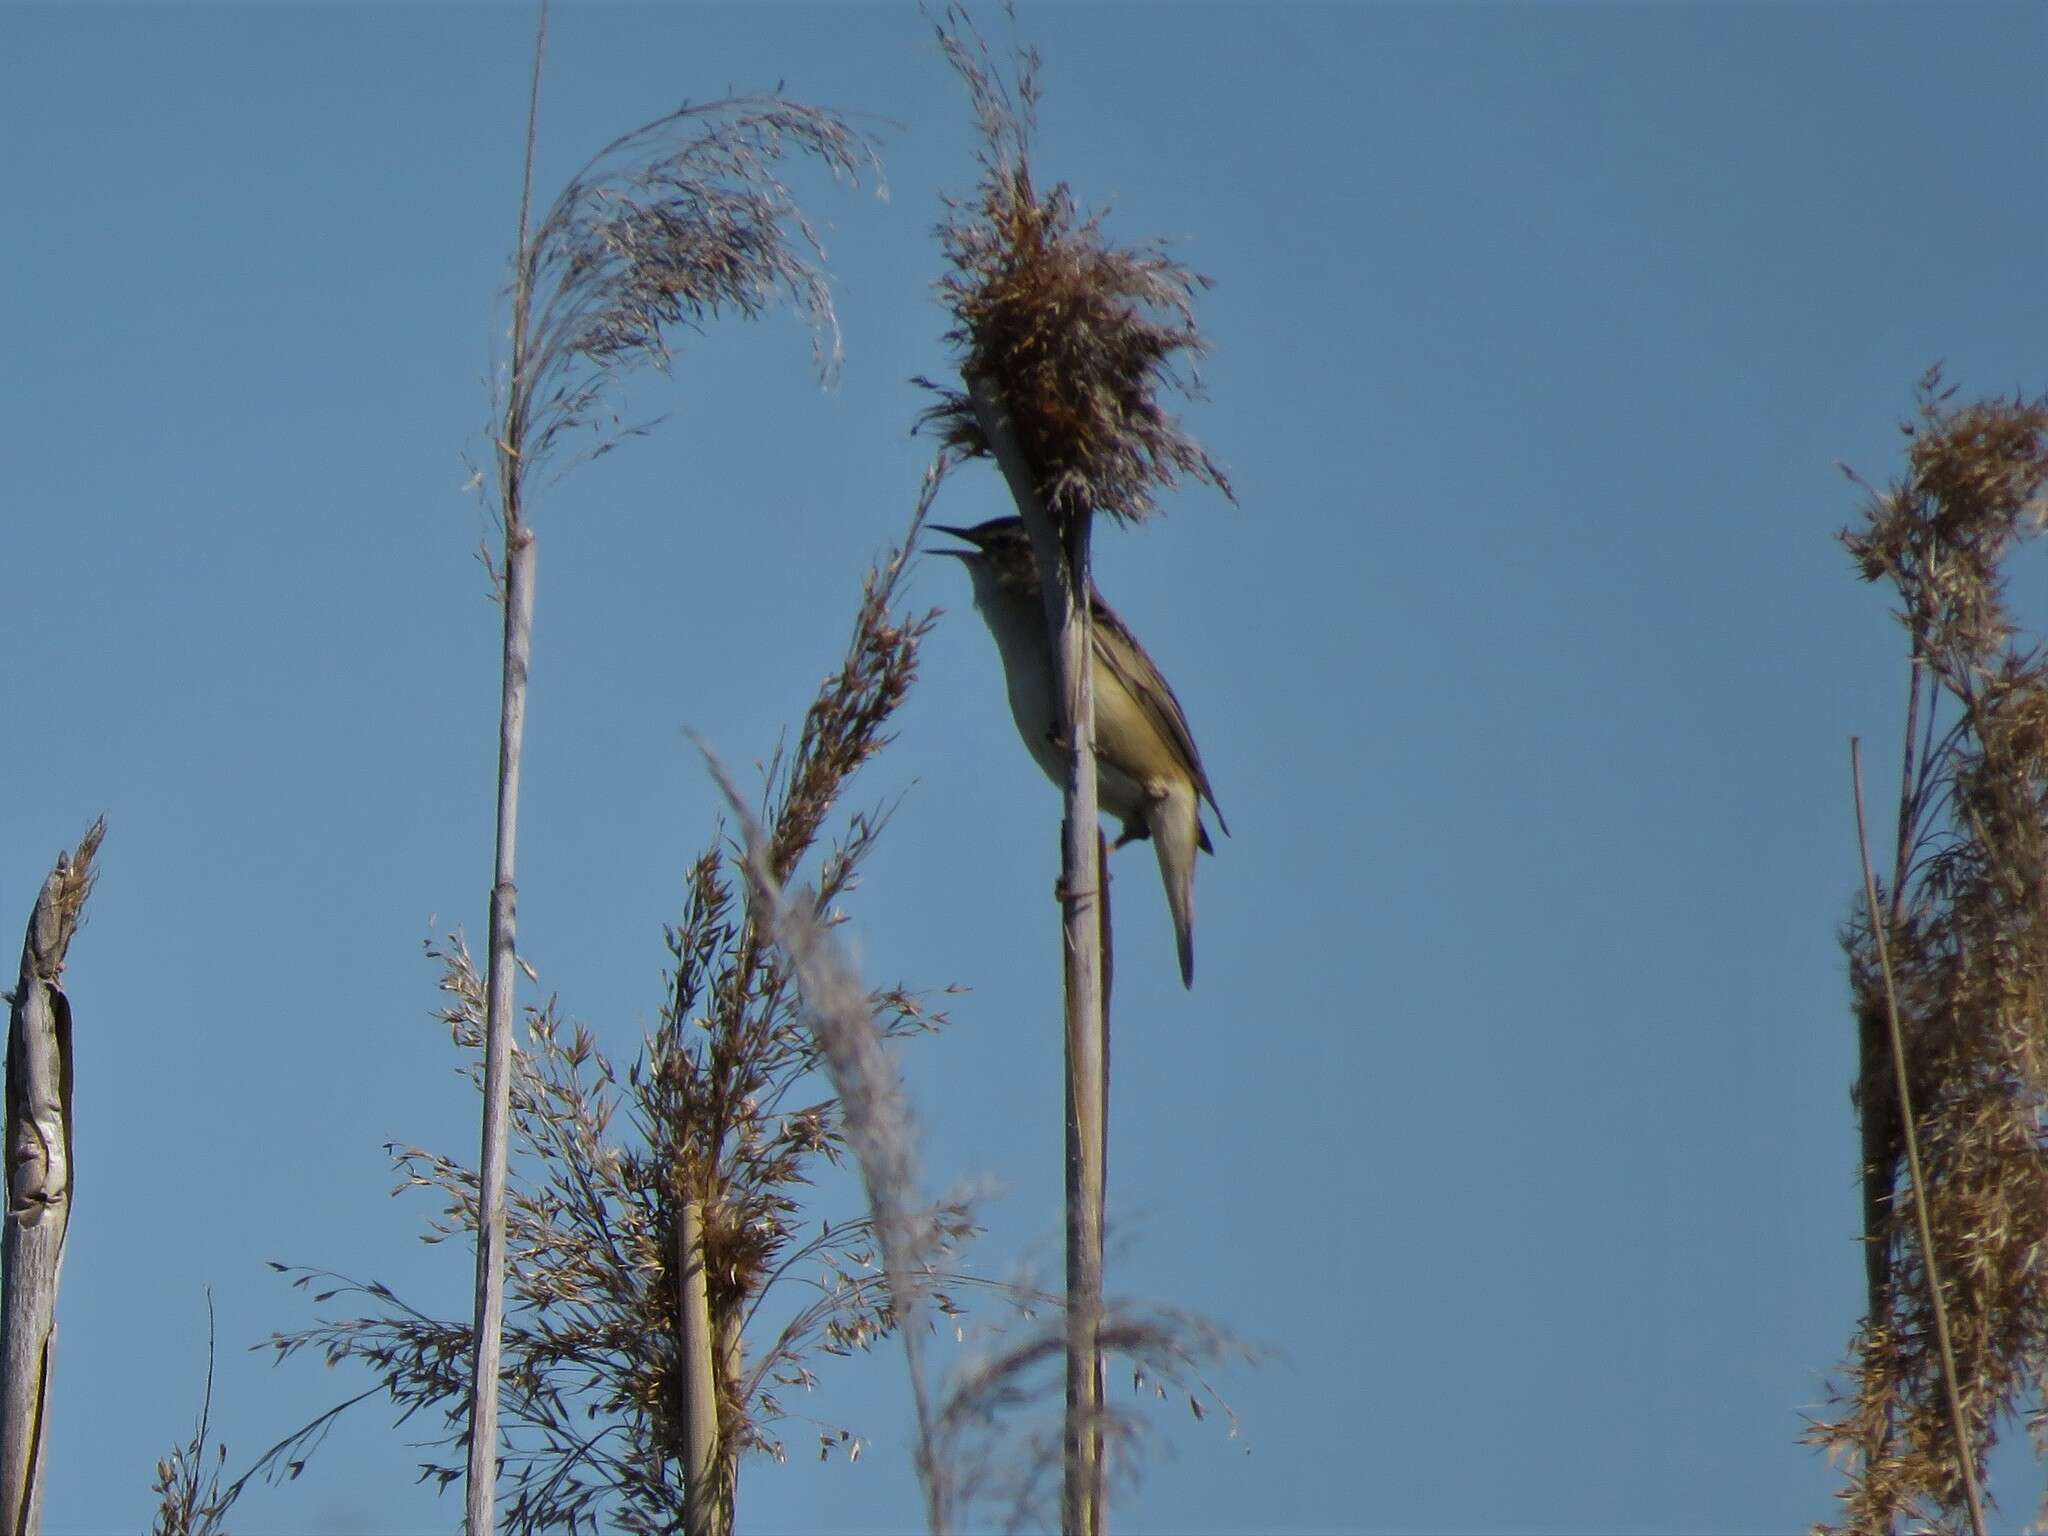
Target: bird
column 1149, row 774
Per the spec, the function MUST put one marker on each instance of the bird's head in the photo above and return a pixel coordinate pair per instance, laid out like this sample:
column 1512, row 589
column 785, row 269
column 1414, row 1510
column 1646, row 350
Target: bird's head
column 1000, row 559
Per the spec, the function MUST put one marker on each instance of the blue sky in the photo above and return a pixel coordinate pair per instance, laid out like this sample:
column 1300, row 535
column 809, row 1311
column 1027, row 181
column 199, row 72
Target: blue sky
column 1510, row 1104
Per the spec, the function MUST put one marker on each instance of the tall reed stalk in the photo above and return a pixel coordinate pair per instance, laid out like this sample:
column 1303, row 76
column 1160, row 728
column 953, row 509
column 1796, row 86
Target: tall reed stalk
column 518, row 560
column 1065, row 344
column 1062, row 555
column 658, row 231
column 702, row 1515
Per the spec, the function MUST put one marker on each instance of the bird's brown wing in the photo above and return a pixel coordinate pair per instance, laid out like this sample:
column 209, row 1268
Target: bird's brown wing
column 1127, row 660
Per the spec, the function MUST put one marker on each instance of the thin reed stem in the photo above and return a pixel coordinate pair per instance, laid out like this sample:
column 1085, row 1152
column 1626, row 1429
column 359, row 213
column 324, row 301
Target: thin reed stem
column 700, row 1406
column 1966, row 1464
column 501, row 988
column 1063, row 567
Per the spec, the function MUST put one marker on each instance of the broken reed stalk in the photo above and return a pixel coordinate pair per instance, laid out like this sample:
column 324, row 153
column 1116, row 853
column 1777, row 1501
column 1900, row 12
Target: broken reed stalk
column 501, row 989
column 1966, row 1464
column 1063, row 570
column 39, row 1183
column 700, row 1394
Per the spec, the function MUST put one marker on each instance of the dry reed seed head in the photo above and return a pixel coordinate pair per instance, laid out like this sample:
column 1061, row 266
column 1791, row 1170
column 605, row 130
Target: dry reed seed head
column 717, row 1109
column 1970, row 956
column 59, row 910
column 996, row 1423
column 1975, row 483
column 1078, row 336
column 77, row 874
column 681, row 221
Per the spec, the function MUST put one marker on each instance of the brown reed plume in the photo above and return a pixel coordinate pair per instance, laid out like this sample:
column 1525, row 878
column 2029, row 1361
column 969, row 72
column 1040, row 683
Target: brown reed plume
column 1065, row 346
column 669, row 226
column 1965, row 931
column 1080, row 338
column 723, row 1110
column 679, row 222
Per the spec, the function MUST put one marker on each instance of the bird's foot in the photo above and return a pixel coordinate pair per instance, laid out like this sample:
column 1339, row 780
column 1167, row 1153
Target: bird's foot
column 1060, row 892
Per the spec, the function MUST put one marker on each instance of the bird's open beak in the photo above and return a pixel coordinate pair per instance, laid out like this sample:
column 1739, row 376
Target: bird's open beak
column 958, row 533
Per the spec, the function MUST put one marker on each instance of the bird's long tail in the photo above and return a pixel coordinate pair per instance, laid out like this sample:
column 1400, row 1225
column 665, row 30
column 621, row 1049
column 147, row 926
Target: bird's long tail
column 1176, row 826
